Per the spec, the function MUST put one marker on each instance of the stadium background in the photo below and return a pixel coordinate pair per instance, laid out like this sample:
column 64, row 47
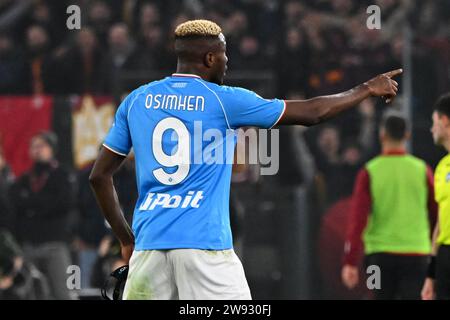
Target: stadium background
column 288, row 228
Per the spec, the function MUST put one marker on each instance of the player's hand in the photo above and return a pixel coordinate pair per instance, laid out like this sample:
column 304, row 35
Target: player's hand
column 383, row 85
column 428, row 290
column 350, row 276
column 127, row 251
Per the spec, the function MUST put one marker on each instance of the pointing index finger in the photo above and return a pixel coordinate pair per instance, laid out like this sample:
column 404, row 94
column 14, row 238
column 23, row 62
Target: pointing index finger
column 393, row 73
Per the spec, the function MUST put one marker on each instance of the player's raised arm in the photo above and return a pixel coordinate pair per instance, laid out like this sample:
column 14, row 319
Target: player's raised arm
column 316, row 110
column 101, row 180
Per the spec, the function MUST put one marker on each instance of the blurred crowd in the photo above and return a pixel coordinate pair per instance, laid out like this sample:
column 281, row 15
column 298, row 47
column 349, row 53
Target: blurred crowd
column 311, row 48
column 50, row 221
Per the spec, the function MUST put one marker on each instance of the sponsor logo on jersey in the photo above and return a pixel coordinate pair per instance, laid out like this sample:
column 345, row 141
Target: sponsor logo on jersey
column 164, row 200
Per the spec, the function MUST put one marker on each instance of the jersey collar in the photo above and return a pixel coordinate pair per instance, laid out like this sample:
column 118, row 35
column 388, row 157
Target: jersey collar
column 186, row 75
column 396, row 152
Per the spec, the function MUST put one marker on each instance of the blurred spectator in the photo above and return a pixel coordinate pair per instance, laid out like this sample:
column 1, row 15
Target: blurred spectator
column 329, row 144
column 43, row 199
column 100, row 19
column 293, row 62
column 250, row 56
column 338, row 162
column 395, row 14
column 151, row 54
column 149, row 17
column 359, row 125
column 352, row 160
column 41, row 74
column 343, row 8
column 120, row 57
column 12, row 66
column 82, row 65
column 13, row 14
column 235, row 27
column 19, row 279
column 109, row 259
column 41, row 16
column 328, row 161
column 293, row 13
column 367, row 135
column 327, row 71
column 6, row 180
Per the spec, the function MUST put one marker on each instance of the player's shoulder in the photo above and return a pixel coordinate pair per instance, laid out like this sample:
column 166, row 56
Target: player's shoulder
column 446, row 159
column 227, row 92
column 143, row 88
column 230, row 90
column 142, row 91
column 374, row 162
column 444, row 163
column 416, row 160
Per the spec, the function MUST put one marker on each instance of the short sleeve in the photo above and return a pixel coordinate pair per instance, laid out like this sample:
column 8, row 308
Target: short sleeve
column 118, row 139
column 243, row 108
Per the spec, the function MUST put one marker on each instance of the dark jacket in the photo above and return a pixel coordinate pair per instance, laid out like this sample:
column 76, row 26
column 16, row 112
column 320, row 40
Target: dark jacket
column 6, row 213
column 28, row 282
column 43, row 200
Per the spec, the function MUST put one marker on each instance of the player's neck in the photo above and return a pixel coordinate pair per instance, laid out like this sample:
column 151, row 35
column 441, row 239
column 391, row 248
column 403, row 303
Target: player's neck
column 393, row 146
column 191, row 69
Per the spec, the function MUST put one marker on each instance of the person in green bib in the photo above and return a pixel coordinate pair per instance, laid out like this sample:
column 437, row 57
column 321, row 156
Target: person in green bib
column 437, row 283
column 393, row 212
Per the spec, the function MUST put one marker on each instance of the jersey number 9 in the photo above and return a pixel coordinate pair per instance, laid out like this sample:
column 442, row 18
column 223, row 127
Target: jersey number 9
column 180, row 158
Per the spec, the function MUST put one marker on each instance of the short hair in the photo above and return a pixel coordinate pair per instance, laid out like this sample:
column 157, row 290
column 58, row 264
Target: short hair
column 395, row 126
column 197, row 28
column 442, row 105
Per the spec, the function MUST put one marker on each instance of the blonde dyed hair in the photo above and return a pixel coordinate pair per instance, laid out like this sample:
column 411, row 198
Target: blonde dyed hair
column 197, row 28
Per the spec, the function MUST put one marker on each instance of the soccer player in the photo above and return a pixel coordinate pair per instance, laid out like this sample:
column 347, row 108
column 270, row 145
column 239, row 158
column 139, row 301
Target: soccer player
column 393, row 210
column 181, row 243
column 437, row 284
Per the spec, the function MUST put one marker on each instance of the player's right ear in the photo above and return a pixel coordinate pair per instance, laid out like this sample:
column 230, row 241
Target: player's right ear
column 209, row 59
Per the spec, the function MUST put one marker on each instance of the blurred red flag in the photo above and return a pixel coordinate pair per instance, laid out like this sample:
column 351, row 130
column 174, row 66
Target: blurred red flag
column 20, row 119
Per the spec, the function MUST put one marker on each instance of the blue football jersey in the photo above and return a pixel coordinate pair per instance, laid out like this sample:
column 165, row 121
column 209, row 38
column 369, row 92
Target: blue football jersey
column 182, row 131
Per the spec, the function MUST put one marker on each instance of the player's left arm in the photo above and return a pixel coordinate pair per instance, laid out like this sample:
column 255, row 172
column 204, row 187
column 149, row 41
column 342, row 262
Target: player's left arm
column 319, row 109
column 428, row 290
column 101, row 180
